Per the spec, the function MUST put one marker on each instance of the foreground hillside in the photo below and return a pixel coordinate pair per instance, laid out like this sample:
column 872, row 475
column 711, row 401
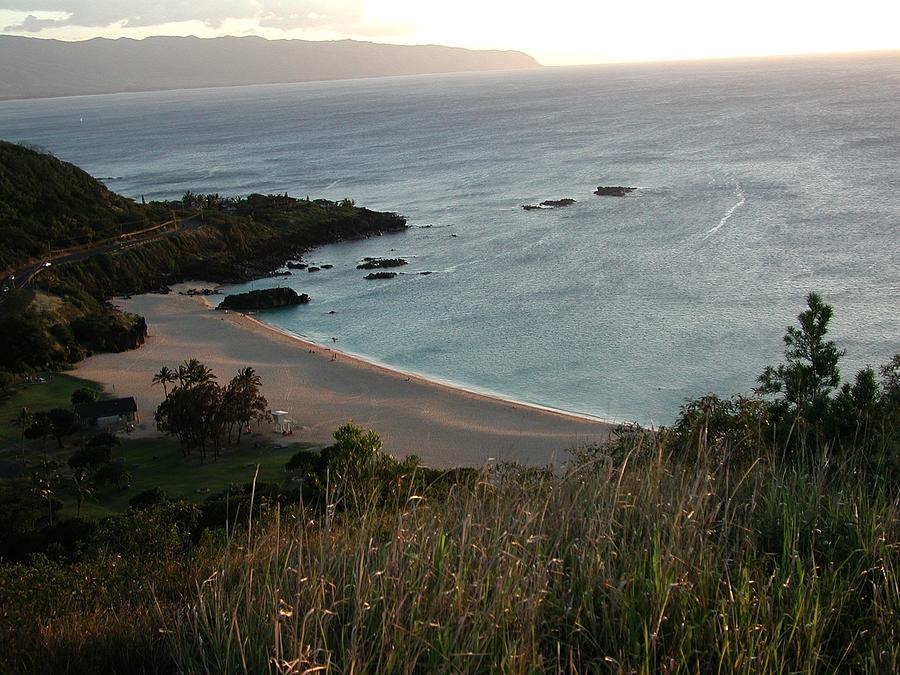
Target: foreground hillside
column 31, row 67
column 634, row 562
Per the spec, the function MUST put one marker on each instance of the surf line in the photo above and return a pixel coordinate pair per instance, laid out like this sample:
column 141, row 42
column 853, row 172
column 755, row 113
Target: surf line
column 739, row 193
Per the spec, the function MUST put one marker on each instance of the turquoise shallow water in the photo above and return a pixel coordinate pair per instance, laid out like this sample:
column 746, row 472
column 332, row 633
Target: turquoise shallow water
column 759, row 181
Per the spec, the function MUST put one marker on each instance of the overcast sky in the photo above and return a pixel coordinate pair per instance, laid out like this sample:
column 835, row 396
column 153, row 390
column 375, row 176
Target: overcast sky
column 559, row 32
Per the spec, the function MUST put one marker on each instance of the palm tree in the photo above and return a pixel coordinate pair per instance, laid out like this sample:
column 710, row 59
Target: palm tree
column 249, row 403
column 165, row 376
column 193, row 373
column 45, row 478
column 247, row 378
column 24, row 421
column 84, row 486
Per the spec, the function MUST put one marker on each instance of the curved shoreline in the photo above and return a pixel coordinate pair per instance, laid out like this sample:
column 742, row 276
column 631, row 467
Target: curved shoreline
column 427, row 379
column 323, row 387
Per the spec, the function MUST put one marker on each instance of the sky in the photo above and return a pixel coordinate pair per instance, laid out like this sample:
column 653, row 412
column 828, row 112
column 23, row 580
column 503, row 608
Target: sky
column 562, row 32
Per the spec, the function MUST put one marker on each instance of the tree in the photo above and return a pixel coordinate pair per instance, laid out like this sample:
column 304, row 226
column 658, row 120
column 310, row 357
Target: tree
column 40, row 427
column 23, row 421
column 864, row 414
column 355, row 472
column 164, row 377
column 147, row 499
column 21, row 509
column 802, row 384
column 192, row 373
column 198, row 411
column 113, row 473
column 105, row 439
column 84, row 395
column 725, row 430
column 83, row 482
column 62, row 423
column 90, row 457
column 45, row 479
column 890, row 404
column 194, row 416
column 243, row 401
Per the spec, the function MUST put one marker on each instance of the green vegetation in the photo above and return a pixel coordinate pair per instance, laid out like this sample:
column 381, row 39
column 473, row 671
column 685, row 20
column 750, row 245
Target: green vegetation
column 201, row 413
column 756, row 535
column 48, row 204
column 55, row 391
column 239, row 239
column 631, row 568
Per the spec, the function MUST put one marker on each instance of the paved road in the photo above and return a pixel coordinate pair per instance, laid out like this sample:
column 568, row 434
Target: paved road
column 24, row 275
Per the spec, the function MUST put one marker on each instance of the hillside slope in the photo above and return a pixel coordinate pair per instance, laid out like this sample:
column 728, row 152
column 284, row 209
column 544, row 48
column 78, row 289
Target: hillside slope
column 31, row 67
column 47, row 202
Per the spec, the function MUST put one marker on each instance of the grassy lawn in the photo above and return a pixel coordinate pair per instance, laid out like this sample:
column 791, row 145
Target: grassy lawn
column 158, row 462
column 152, row 462
column 55, row 393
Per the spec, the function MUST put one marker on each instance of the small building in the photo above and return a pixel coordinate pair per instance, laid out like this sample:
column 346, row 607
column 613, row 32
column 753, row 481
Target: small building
column 108, row 413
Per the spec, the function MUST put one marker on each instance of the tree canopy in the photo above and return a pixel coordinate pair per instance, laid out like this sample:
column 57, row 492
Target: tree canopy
column 203, row 414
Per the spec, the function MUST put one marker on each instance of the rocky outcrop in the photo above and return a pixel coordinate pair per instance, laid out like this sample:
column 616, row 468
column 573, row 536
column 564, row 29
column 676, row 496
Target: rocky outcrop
column 291, row 265
column 381, row 263
column 380, row 275
column 268, row 298
column 613, row 191
column 550, row 204
column 200, row 291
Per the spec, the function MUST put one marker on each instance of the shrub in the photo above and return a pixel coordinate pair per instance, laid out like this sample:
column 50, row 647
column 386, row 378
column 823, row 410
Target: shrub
column 147, row 499
column 84, row 395
column 91, row 457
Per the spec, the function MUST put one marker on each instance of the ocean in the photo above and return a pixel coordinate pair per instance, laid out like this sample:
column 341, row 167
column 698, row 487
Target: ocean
column 759, row 181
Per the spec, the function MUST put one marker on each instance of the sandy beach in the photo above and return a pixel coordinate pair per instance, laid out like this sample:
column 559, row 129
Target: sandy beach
column 443, row 425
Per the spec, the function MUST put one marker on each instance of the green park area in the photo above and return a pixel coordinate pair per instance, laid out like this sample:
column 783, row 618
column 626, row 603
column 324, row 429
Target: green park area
column 46, row 392
column 151, row 462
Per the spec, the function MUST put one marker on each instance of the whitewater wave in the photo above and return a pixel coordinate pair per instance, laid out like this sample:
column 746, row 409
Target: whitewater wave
column 739, row 193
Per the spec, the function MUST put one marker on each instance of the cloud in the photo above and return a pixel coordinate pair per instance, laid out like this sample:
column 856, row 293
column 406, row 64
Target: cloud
column 329, row 14
column 31, row 24
column 279, row 14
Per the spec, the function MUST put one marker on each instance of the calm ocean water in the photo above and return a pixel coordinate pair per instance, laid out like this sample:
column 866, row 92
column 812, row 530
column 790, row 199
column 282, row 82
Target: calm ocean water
column 759, row 181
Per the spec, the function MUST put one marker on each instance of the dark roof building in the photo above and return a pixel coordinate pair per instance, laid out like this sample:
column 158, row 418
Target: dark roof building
column 113, row 407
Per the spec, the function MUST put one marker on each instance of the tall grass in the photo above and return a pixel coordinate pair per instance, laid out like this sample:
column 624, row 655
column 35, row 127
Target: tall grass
column 639, row 566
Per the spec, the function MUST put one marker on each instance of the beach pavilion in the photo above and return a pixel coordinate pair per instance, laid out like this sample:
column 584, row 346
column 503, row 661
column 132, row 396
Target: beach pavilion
column 283, row 423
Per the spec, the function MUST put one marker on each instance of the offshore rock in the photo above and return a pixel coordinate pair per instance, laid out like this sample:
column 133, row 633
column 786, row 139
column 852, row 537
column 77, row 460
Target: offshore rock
column 550, row 204
column 268, row 298
column 613, row 191
column 380, row 263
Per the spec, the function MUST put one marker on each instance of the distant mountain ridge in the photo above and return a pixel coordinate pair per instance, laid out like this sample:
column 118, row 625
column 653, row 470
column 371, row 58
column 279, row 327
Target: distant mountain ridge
column 33, row 68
